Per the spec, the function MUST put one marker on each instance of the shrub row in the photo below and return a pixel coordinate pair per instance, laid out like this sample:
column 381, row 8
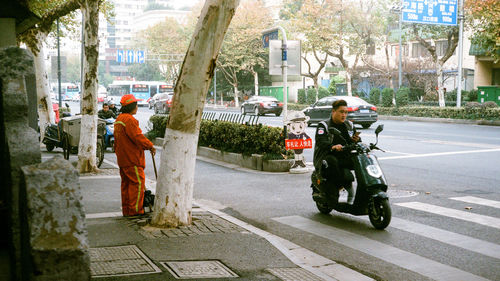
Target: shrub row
column 231, row 137
column 468, row 112
column 296, row 106
column 310, row 98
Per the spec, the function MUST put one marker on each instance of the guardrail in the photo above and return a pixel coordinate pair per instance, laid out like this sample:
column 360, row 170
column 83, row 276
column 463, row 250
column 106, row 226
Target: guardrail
column 231, row 117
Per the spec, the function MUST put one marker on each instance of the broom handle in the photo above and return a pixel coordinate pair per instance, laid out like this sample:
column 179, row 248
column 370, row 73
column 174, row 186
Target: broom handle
column 154, row 164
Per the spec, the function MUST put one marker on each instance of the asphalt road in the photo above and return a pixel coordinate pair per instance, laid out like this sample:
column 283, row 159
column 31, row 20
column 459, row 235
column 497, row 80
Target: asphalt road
column 445, row 198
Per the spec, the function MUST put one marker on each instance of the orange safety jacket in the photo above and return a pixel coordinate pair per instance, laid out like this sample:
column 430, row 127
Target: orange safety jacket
column 130, row 143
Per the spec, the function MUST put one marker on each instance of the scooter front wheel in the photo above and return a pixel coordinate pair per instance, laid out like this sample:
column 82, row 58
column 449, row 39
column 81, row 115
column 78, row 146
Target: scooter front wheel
column 380, row 213
column 323, row 208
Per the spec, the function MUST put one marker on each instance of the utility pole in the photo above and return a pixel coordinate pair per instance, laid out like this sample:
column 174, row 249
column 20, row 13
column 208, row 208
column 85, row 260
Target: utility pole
column 284, row 66
column 215, row 87
column 59, row 65
column 460, row 52
column 400, row 74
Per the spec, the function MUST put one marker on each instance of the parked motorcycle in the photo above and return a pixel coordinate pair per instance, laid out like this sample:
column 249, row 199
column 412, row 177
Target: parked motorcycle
column 370, row 199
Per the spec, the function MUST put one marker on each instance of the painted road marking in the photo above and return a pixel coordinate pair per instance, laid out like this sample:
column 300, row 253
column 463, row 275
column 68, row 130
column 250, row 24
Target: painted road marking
column 448, row 237
column 404, row 259
column 402, row 153
column 103, row 215
column 461, row 215
column 478, row 201
column 438, row 154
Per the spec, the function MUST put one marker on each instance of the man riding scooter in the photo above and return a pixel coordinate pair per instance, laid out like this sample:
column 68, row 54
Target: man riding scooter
column 107, row 114
column 329, row 158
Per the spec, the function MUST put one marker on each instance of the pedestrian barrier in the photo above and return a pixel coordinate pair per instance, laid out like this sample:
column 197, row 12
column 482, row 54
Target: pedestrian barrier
column 231, row 117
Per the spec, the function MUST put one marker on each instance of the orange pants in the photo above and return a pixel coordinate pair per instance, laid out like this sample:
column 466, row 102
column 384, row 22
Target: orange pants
column 133, row 186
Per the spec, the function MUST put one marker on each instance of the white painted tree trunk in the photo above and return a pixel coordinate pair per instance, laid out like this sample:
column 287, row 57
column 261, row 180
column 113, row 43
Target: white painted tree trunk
column 439, row 74
column 236, row 100
column 88, row 130
column 174, row 189
column 348, row 81
column 256, row 82
column 46, row 114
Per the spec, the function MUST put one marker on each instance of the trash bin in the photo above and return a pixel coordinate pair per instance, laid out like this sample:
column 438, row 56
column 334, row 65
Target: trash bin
column 488, row 93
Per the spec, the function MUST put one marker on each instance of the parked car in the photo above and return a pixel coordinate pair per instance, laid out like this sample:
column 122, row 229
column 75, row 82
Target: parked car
column 260, row 105
column 163, row 103
column 151, row 101
column 359, row 111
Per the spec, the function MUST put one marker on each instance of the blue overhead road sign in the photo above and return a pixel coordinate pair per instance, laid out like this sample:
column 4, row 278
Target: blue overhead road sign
column 130, row 56
column 442, row 12
column 273, row 35
column 120, row 56
column 139, row 57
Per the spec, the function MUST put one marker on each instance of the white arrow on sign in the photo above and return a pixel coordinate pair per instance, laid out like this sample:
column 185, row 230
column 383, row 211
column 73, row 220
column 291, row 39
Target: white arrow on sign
column 130, row 56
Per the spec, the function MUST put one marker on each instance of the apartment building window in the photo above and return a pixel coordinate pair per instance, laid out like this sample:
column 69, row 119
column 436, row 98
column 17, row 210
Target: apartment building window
column 441, row 47
column 394, row 50
column 418, row 50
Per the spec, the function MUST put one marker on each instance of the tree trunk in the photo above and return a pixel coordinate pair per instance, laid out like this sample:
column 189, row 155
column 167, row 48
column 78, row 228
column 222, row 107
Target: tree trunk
column 174, row 190
column 256, row 82
column 236, row 93
column 348, row 82
column 88, row 130
column 439, row 73
column 315, row 81
column 45, row 112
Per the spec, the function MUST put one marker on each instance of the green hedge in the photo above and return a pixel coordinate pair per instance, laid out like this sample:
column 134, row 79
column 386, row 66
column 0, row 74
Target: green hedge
column 296, row 106
column 311, row 95
column 468, row 112
column 232, row 137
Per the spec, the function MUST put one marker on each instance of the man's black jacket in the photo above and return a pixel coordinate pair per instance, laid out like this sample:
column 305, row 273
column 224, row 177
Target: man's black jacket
column 106, row 114
column 326, row 138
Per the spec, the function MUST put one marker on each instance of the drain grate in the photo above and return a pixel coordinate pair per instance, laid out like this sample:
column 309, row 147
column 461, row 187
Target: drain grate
column 293, row 274
column 198, row 269
column 120, row 261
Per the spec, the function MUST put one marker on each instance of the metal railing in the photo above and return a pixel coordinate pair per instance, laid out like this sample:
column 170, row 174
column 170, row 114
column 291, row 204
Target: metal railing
column 231, row 117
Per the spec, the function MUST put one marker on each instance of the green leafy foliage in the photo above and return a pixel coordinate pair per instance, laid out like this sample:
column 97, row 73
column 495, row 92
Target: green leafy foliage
column 311, row 95
column 374, row 96
column 387, row 94
column 231, row 137
column 402, row 96
column 474, row 111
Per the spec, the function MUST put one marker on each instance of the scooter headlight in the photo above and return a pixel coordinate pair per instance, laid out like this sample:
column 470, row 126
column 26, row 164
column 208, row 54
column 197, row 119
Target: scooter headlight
column 374, row 171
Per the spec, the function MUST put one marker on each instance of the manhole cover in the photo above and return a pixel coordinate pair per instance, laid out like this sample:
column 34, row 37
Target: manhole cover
column 401, row 193
column 198, row 269
column 119, row 261
column 293, row 274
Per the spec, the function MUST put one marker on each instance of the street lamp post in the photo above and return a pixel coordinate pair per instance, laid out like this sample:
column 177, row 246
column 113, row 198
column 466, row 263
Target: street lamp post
column 399, row 10
column 284, row 66
column 460, row 53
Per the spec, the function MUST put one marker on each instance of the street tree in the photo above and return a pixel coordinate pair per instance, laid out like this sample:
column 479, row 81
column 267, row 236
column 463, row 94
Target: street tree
column 174, row 193
column 88, row 130
column 308, row 23
column 484, row 21
column 242, row 48
column 34, row 38
column 427, row 36
column 166, row 42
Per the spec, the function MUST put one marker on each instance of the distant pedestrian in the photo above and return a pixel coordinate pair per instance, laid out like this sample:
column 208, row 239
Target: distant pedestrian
column 130, row 144
column 113, row 108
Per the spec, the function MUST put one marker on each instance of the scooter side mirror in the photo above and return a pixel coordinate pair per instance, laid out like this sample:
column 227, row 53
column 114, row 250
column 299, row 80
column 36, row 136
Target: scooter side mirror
column 379, row 129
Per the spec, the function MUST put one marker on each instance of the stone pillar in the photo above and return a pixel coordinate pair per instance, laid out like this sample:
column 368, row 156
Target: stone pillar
column 19, row 146
column 55, row 220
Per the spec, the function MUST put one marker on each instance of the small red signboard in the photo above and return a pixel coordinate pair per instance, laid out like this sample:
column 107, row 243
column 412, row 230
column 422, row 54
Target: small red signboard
column 298, row 143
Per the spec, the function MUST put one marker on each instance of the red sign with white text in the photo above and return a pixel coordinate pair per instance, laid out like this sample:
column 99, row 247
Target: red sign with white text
column 298, row 143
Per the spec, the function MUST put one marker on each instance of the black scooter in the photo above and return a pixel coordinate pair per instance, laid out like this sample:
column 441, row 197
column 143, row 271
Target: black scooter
column 371, row 198
column 53, row 134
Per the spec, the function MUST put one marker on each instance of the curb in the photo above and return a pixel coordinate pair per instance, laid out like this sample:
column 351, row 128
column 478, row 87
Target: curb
column 440, row 120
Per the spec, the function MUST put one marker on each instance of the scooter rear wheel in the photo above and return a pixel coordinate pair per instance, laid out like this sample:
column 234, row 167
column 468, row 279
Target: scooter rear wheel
column 323, row 208
column 380, row 213
column 49, row 147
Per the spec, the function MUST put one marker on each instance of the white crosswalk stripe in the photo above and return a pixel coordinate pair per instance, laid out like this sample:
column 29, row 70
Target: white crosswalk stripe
column 478, row 201
column 388, row 253
column 411, row 259
column 462, row 215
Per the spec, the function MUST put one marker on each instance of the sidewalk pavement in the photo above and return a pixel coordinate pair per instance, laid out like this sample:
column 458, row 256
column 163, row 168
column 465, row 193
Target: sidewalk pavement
column 215, row 246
